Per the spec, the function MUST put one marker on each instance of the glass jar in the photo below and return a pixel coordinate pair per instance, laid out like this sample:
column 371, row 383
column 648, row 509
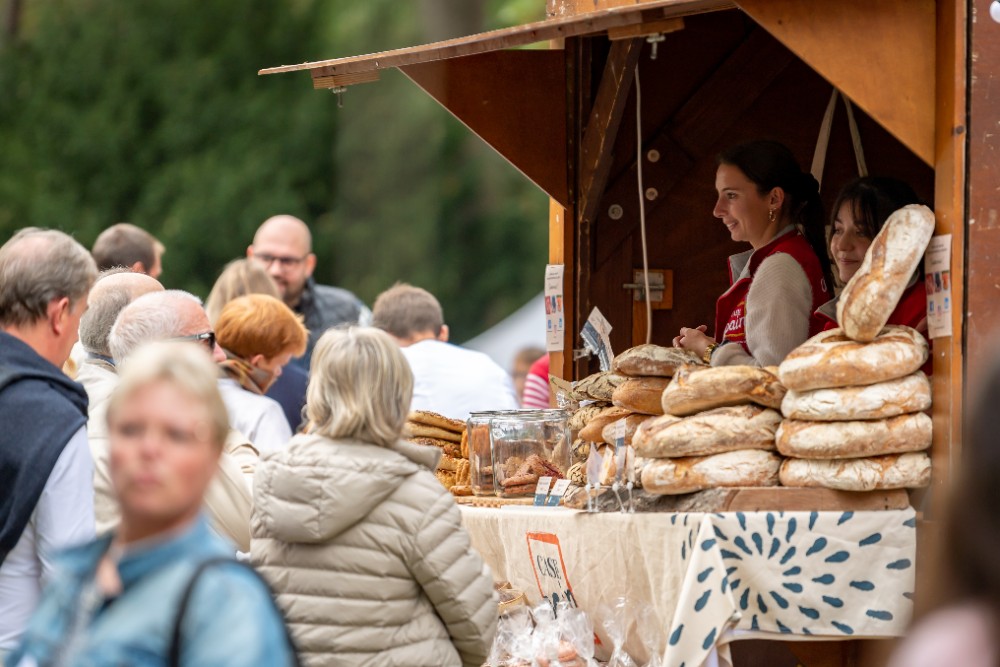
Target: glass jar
column 480, row 454
column 527, row 445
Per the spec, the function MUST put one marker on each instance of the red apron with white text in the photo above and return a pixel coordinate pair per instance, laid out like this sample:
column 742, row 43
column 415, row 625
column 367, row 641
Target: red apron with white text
column 730, row 309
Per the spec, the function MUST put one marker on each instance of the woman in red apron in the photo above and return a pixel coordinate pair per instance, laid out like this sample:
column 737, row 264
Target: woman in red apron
column 766, row 200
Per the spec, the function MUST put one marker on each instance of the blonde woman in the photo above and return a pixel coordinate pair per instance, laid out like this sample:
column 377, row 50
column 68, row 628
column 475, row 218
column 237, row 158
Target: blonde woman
column 362, row 544
column 121, row 598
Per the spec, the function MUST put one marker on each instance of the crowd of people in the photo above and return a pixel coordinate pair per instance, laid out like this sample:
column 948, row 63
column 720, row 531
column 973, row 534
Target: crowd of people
column 159, row 453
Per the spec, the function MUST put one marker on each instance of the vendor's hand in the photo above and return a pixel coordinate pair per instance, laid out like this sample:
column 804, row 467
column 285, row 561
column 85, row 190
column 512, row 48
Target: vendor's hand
column 694, row 340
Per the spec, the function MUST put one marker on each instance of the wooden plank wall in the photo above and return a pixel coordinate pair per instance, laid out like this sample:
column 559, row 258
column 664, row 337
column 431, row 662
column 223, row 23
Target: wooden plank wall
column 719, row 81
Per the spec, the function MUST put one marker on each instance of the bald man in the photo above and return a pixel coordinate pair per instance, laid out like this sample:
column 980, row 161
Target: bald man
column 283, row 245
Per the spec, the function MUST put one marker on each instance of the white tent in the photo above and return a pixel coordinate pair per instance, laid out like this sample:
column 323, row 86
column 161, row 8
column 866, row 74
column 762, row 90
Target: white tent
column 525, row 327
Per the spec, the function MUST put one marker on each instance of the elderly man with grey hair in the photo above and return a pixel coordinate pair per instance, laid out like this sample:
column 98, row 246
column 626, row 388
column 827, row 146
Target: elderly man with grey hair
column 177, row 315
column 46, row 499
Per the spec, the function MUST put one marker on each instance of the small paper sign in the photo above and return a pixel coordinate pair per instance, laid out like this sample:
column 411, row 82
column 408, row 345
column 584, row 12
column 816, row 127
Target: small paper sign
column 555, row 316
column 542, row 490
column 937, row 271
column 596, row 336
column 558, row 490
column 550, row 569
column 618, row 434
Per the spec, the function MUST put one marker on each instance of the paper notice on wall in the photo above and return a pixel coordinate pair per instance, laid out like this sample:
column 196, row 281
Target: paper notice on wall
column 596, row 336
column 555, row 317
column 937, row 272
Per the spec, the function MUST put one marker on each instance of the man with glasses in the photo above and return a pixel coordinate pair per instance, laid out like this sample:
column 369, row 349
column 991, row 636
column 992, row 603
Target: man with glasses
column 283, row 245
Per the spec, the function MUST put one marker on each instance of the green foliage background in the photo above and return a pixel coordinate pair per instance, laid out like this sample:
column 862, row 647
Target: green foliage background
column 151, row 111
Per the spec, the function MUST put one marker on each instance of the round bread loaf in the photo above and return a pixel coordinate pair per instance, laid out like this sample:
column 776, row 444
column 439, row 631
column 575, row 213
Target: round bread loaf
column 873, row 293
column 875, row 401
column 899, row 471
column 641, row 395
column 599, row 386
column 429, row 418
column 853, row 439
column 751, row 467
column 632, row 423
column 592, row 432
column 579, row 419
column 653, row 360
column 831, row 359
column 695, row 389
column 706, row 433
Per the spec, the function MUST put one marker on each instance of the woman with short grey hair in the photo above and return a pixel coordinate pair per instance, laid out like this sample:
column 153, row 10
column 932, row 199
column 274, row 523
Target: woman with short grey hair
column 362, row 544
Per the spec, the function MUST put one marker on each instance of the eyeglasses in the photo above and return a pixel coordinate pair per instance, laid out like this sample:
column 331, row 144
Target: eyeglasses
column 208, row 338
column 284, row 262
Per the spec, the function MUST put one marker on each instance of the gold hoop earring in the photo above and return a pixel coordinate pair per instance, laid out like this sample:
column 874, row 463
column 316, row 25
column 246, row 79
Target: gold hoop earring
column 772, row 215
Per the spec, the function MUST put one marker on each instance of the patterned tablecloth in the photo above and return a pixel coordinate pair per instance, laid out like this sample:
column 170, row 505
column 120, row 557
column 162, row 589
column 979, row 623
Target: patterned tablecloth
column 777, row 575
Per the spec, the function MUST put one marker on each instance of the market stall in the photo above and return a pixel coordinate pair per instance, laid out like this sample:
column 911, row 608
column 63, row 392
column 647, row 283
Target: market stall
column 648, row 92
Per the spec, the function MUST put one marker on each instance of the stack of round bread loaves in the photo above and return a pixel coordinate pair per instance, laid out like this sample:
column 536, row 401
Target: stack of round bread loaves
column 856, row 398
column 854, row 412
column 718, row 430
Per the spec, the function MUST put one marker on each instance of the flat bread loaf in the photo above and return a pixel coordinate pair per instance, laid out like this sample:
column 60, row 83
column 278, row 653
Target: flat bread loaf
column 697, row 389
column 854, row 439
column 899, row 471
column 831, row 359
column 579, row 419
column 653, row 360
column 599, row 386
column 429, row 418
column 873, row 293
column 875, row 401
column 706, row 433
column 641, row 395
column 416, row 430
column 592, row 432
column 752, row 467
column 632, row 424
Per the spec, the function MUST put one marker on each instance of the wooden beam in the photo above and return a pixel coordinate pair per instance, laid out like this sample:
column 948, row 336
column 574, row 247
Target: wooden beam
column 880, row 53
column 602, row 126
column 594, row 23
column 575, row 7
column 661, row 27
column 690, row 134
column 516, row 114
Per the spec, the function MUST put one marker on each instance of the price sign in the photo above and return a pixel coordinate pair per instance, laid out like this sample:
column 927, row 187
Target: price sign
column 550, row 569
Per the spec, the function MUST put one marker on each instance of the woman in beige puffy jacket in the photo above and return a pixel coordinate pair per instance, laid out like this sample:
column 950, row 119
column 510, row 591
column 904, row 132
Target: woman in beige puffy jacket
column 363, row 546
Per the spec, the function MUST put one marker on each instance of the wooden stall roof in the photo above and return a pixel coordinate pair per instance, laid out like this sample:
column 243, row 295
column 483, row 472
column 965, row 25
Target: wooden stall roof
column 529, row 33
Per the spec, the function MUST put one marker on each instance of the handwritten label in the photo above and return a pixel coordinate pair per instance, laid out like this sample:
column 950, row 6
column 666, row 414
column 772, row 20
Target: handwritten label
column 550, row 569
column 558, row 490
column 542, row 490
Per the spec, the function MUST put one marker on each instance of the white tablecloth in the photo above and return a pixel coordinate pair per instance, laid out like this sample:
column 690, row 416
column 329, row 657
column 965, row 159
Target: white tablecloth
column 777, row 575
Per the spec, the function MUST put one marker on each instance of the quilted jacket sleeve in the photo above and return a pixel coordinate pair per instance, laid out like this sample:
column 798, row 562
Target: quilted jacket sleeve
column 456, row 580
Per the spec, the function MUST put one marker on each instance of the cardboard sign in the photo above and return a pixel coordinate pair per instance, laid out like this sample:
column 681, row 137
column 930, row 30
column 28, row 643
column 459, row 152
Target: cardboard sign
column 550, row 569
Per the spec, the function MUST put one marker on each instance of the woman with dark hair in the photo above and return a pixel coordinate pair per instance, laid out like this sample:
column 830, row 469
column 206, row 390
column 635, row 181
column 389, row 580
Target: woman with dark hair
column 965, row 628
column 859, row 213
column 766, row 200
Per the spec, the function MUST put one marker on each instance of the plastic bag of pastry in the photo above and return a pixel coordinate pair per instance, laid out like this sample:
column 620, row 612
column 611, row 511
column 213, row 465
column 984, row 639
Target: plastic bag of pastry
column 563, row 637
column 615, row 627
column 512, row 642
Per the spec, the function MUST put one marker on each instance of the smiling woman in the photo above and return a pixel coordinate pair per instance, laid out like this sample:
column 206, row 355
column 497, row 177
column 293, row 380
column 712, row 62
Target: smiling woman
column 766, row 200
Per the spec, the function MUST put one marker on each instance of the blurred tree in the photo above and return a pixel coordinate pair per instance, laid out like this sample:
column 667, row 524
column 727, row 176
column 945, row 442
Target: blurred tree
column 151, row 112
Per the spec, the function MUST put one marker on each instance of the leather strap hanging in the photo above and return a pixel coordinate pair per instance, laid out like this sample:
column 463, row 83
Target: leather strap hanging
column 823, row 141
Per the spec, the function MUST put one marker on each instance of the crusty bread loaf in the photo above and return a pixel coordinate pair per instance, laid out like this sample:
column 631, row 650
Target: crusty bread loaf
column 752, row 467
column 449, row 463
column 898, row 471
column 446, row 446
column 854, row 439
column 697, row 389
column 875, row 401
column 416, row 430
column 592, row 432
column 653, row 360
column 873, row 293
column 831, row 359
column 599, row 386
column 429, row 418
column 641, row 395
column 632, row 424
column 706, row 433
column 579, row 419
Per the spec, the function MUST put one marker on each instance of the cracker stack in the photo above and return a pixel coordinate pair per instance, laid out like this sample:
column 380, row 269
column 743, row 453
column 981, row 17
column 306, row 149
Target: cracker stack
column 854, row 416
column 717, row 431
column 448, row 435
